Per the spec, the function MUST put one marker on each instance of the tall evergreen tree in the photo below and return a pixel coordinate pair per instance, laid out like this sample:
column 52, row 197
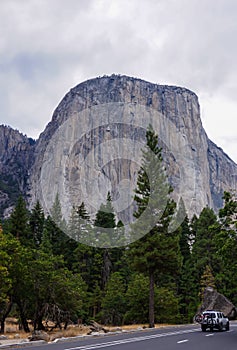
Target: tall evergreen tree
column 226, row 247
column 19, row 223
column 187, row 296
column 185, row 237
column 136, row 299
column 57, row 231
column 228, row 214
column 56, row 211
column 207, row 280
column 205, row 228
column 37, row 223
column 203, row 252
column 105, row 219
column 5, row 280
column 79, row 227
column 114, row 304
column 157, row 253
column 45, row 244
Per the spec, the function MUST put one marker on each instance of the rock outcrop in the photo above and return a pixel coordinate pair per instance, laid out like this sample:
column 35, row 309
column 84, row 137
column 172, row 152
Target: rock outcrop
column 212, row 300
column 39, row 335
column 16, row 159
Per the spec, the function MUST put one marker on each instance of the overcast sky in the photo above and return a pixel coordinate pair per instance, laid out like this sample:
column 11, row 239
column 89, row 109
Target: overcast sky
column 49, row 46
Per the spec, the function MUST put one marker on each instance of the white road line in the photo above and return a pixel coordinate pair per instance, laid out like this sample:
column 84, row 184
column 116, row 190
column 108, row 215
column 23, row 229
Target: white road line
column 182, row 341
column 209, row 335
column 130, row 340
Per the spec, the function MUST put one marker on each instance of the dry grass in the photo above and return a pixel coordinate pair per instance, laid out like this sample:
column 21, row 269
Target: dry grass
column 134, row 326
column 12, row 330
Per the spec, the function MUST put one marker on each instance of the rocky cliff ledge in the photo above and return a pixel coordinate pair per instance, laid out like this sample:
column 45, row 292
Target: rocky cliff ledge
column 16, row 158
column 198, row 170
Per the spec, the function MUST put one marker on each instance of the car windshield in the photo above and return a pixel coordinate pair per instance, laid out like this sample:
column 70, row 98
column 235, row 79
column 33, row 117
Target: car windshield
column 209, row 315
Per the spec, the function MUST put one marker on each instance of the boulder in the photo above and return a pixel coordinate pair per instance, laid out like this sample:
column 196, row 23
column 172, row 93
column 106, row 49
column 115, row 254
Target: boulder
column 39, row 335
column 96, row 327
column 212, row 300
column 3, row 337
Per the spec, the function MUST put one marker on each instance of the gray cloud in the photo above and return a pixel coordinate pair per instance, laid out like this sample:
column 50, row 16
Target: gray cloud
column 47, row 47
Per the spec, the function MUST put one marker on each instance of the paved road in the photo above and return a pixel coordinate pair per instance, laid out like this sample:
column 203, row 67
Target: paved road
column 170, row 338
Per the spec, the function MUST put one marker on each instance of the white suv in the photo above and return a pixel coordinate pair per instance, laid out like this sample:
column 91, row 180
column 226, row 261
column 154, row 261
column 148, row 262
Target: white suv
column 214, row 320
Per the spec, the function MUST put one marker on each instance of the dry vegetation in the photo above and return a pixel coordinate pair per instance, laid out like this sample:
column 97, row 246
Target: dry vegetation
column 12, row 330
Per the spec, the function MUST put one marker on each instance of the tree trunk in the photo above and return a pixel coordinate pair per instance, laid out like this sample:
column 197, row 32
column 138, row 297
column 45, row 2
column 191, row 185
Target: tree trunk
column 23, row 319
column 25, row 324
column 39, row 324
column 94, row 310
column 107, row 266
column 151, row 301
column 2, row 326
column 4, row 316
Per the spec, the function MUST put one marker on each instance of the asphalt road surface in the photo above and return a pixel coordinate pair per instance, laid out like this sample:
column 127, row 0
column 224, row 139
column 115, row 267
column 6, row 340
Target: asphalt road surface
column 169, row 338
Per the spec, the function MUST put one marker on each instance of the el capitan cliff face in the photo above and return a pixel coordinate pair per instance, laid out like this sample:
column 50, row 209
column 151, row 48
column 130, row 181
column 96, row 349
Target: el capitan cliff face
column 198, row 170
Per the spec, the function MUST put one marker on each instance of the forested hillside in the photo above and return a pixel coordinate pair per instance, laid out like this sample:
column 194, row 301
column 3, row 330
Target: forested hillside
column 42, row 268
column 47, row 274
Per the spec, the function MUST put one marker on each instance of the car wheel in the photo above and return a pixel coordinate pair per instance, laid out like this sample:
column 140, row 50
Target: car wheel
column 203, row 328
column 220, row 327
column 227, row 327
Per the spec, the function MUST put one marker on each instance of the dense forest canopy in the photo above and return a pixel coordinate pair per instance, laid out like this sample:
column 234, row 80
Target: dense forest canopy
column 47, row 274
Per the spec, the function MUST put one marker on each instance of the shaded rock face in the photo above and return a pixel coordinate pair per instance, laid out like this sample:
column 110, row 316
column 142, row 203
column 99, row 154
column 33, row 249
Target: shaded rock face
column 16, row 158
column 223, row 174
column 198, row 170
column 212, row 300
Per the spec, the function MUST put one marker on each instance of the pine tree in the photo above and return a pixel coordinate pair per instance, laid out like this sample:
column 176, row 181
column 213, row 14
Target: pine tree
column 136, row 299
column 45, row 244
column 55, row 224
column 186, row 289
column 105, row 218
column 185, row 235
column 157, row 253
column 79, row 227
column 203, row 252
column 113, row 304
column 228, row 214
column 36, row 223
column 226, row 247
column 19, row 223
column 56, row 211
column 73, row 229
column 207, row 280
column 188, row 292
column 82, row 212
